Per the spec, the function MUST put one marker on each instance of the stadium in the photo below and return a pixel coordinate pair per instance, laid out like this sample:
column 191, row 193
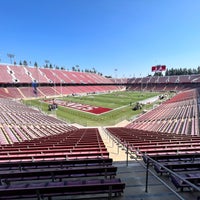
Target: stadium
column 79, row 135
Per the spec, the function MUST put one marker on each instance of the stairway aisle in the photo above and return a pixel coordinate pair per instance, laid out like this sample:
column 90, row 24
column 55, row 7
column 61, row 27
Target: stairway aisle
column 117, row 154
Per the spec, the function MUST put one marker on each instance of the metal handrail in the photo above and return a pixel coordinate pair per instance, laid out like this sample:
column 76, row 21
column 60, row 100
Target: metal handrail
column 148, row 158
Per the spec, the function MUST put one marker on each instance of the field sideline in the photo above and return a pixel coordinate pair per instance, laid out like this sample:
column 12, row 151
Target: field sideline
column 121, row 104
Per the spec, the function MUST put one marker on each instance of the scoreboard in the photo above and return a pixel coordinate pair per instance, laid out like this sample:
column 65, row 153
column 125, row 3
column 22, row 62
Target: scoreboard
column 158, row 68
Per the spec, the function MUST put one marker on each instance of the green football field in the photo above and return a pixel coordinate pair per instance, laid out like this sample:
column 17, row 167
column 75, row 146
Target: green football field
column 121, row 104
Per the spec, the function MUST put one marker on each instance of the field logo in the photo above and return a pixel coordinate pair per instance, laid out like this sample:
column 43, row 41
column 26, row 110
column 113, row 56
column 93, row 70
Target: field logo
column 87, row 108
column 82, row 107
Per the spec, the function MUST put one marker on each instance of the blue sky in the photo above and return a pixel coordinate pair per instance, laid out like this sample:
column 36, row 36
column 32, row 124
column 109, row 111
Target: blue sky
column 127, row 35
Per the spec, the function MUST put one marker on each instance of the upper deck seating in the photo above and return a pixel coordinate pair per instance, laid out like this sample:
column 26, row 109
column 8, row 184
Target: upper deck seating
column 37, row 75
column 21, row 74
column 5, row 75
column 51, row 76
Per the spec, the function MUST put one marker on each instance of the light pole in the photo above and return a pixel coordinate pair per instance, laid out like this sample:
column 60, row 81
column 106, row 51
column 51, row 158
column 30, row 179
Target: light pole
column 141, row 81
column 115, row 75
column 47, row 62
column 61, row 87
column 77, row 68
column 11, row 56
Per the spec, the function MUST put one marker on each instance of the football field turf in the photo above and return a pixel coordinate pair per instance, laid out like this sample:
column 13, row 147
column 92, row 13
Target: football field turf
column 89, row 110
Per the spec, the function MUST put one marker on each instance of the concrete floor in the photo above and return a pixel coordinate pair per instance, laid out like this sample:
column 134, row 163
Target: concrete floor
column 134, row 176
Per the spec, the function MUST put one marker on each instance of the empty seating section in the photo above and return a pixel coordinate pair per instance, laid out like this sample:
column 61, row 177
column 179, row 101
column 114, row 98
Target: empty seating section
column 184, row 79
column 166, row 83
column 88, row 78
column 182, row 96
column 57, row 78
column 194, row 78
column 43, row 167
column 163, row 79
column 74, row 77
column 19, row 123
column 64, row 90
column 4, row 93
column 69, row 90
column 5, row 76
column 51, row 171
column 24, row 74
column 15, row 92
column 173, row 79
column 168, row 151
column 41, row 190
column 43, row 157
column 48, row 91
column 51, row 76
column 62, row 76
column 21, row 74
column 37, row 75
column 180, row 154
column 155, row 143
column 11, row 73
column 75, row 144
column 177, row 115
column 183, row 169
column 155, row 87
column 28, row 92
column 60, row 171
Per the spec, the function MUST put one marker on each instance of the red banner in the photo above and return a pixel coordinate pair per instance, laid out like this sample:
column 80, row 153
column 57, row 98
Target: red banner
column 158, row 68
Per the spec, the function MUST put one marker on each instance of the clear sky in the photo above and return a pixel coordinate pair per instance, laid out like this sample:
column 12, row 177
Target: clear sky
column 127, row 35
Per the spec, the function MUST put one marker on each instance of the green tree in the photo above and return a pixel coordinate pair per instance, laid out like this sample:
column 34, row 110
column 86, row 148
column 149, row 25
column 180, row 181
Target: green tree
column 25, row 63
column 35, row 64
column 198, row 69
column 46, row 66
column 158, row 74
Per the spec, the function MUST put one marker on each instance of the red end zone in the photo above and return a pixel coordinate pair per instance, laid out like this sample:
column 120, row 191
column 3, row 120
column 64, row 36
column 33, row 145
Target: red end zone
column 88, row 108
column 81, row 107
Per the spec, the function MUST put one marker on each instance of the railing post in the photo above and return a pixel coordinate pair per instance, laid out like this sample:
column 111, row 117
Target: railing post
column 118, row 148
column 147, row 175
column 112, row 143
column 127, row 154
